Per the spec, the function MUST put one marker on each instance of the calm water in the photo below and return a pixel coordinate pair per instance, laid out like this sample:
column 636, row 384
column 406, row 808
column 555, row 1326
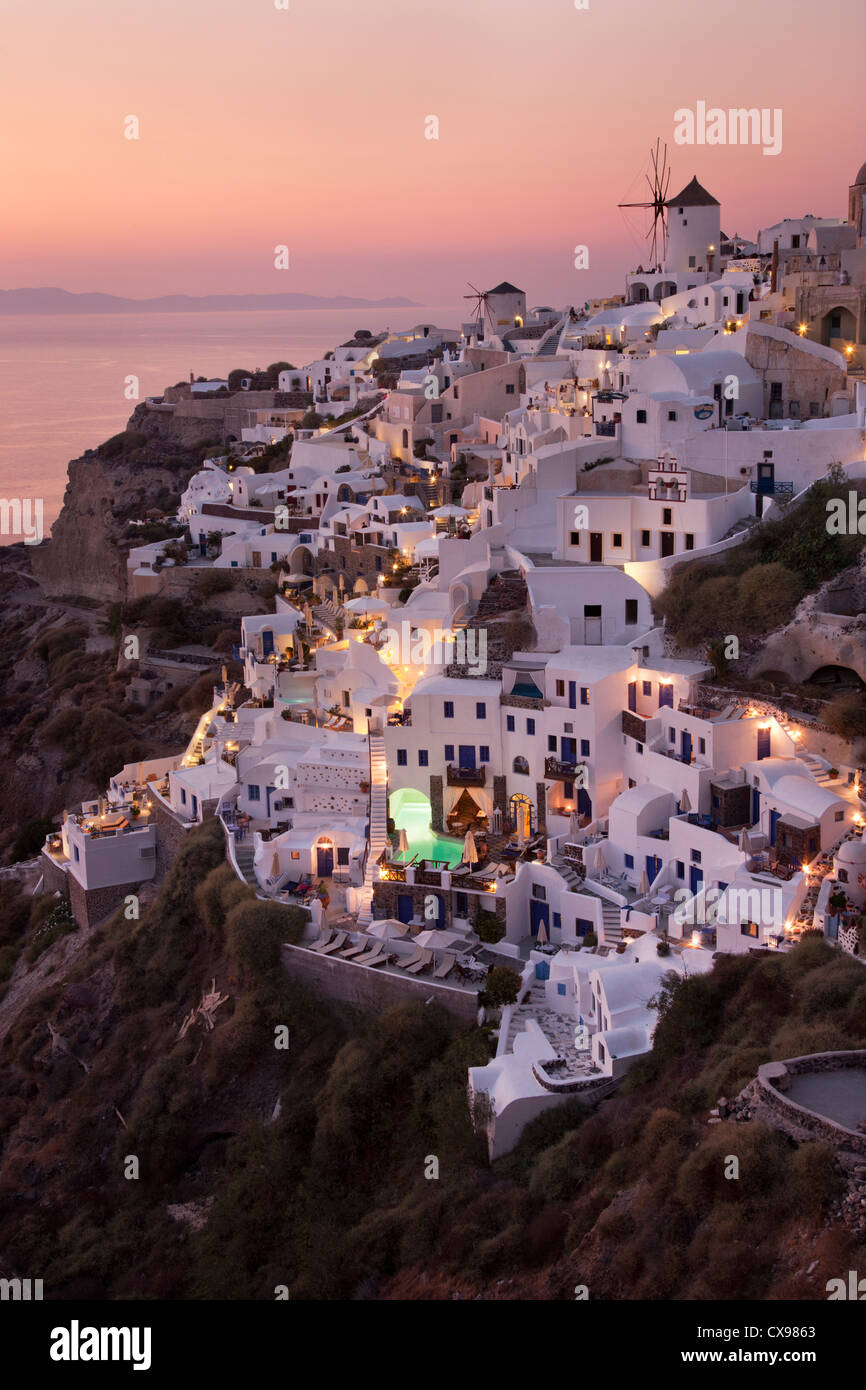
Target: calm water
column 840, row 1095
column 63, row 375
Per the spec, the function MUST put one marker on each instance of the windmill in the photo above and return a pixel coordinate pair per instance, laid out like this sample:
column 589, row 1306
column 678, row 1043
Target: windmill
column 658, row 186
column 482, row 308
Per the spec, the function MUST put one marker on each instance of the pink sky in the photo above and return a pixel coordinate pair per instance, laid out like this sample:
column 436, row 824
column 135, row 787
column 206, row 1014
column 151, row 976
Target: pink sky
column 306, row 127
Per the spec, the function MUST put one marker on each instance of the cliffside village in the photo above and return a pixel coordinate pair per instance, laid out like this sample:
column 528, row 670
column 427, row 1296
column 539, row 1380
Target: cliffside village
column 460, row 739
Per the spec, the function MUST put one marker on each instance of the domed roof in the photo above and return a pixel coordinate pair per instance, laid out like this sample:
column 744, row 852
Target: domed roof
column 851, row 852
column 861, row 177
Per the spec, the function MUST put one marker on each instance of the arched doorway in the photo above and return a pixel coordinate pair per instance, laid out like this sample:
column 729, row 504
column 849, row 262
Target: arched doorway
column 638, row 294
column 838, row 323
column 361, row 585
column 324, row 857
column 521, row 813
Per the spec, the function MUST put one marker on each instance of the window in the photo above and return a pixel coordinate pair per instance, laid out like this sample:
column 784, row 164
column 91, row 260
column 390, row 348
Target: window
column 840, row 815
column 509, row 723
column 539, row 892
column 748, row 929
column 584, row 695
column 696, row 856
column 672, row 414
column 560, row 988
column 702, row 745
column 638, row 747
column 692, row 260
column 574, row 538
column 484, row 753
column 295, row 853
column 560, row 688
column 342, row 854
column 449, row 709
column 402, row 757
column 77, row 855
column 647, row 687
column 630, row 612
column 551, row 743
column 449, row 752
column 568, row 728
column 814, row 408
column 629, row 861
column 509, row 388
column 667, row 517
column 183, row 795
column 254, row 793
column 644, row 538
column 641, row 417
column 681, row 869
column 347, row 699
column 480, row 709
column 672, row 735
column 520, row 766
column 584, row 747
column 842, row 875
column 378, row 562
column 530, row 726
column 423, row 757
column 690, row 541
column 557, row 919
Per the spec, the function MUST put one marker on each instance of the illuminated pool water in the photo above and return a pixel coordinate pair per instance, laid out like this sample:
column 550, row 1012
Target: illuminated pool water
column 297, row 689
column 413, row 816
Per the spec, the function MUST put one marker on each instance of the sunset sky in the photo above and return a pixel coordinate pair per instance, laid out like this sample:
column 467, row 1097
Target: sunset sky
column 261, row 126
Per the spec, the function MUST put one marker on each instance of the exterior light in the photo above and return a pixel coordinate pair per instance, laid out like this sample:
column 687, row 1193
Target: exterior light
column 802, row 329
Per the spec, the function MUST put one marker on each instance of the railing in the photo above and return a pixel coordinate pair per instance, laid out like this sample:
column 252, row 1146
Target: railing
column 559, row 771
column 773, row 489
column 466, row 776
column 607, row 428
column 523, row 701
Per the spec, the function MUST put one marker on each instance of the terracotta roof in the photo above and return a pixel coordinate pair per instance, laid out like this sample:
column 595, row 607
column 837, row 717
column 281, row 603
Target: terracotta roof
column 693, row 195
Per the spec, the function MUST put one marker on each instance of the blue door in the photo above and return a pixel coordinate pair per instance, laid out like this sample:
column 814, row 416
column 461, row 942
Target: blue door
column 466, row 754
column 775, row 817
column 666, row 695
column 763, row 743
column 696, row 878
column 756, row 805
column 569, row 750
column 405, row 907
column 686, row 747
column 540, row 912
column 572, row 694
column 584, row 802
column 653, row 866
column 202, row 545
column 324, row 861
column 766, row 478
column 267, row 642
column 632, row 695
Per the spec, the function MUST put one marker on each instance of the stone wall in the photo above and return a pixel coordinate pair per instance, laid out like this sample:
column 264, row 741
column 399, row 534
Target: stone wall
column 772, row 1081
column 436, row 804
column 89, row 906
column 373, row 990
column 169, row 836
column 541, row 804
column 55, row 878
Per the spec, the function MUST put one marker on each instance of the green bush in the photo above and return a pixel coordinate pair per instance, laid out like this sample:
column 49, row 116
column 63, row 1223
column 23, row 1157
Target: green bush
column 501, row 986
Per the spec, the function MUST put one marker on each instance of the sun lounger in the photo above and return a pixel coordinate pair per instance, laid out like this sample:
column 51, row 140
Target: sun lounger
column 356, row 948
column 445, row 966
column 381, row 958
column 335, row 945
column 370, row 955
column 410, row 960
column 417, row 966
column 322, row 941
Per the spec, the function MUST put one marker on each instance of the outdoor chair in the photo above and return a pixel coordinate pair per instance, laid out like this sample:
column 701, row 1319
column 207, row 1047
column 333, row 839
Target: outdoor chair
column 356, row 949
column 322, row 942
column 335, row 945
column 417, row 966
column 410, row 960
column 445, row 966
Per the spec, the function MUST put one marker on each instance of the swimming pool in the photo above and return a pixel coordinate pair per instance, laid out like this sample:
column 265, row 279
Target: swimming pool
column 424, row 842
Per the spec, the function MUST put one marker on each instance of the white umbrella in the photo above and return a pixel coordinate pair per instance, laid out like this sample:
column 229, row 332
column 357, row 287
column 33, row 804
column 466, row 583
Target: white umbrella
column 437, row 940
column 600, row 861
column 388, row 929
column 470, row 851
column 366, row 603
column 685, row 804
column 744, row 845
column 643, row 882
column 317, row 912
column 541, row 937
column 449, row 510
column 403, row 841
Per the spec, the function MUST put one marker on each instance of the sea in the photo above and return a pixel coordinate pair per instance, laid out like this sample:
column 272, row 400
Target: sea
column 64, row 377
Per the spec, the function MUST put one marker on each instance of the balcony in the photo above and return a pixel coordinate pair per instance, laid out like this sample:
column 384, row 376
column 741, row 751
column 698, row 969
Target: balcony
column 558, row 771
column 634, row 725
column 770, row 489
column 466, row 776
column 606, row 428
column 523, row 701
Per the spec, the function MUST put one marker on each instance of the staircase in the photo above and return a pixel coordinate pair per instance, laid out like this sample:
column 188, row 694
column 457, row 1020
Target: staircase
column 244, row 856
column 819, row 769
column 565, row 868
column 378, row 823
column 427, row 493
column 611, row 931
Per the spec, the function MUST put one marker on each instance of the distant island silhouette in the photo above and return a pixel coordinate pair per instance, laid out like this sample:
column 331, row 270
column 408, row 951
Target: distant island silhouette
column 51, row 300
